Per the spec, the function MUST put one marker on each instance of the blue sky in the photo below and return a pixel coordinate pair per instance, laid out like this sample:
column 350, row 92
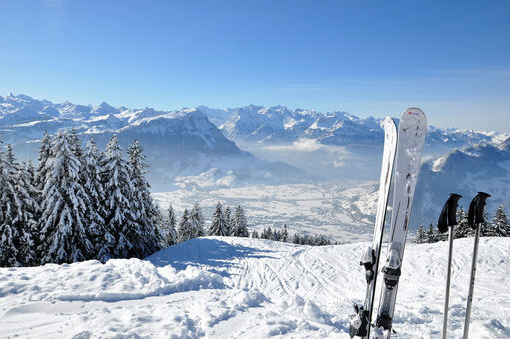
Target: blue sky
column 450, row 58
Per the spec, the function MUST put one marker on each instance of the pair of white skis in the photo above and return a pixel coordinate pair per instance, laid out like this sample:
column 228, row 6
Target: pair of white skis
column 402, row 151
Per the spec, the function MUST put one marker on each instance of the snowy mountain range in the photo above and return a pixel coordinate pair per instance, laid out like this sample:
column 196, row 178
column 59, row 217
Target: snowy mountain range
column 332, row 145
column 177, row 143
column 206, row 147
column 329, row 145
column 279, row 124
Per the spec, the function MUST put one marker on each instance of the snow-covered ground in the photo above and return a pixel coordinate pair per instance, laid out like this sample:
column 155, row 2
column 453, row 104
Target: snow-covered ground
column 342, row 211
column 250, row 288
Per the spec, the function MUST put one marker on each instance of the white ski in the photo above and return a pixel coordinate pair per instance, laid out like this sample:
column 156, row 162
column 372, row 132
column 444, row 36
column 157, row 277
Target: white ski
column 360, row 322
column 411, row 138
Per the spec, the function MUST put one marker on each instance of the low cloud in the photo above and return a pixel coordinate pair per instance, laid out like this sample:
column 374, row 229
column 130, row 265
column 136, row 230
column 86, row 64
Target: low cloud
column 307, row 145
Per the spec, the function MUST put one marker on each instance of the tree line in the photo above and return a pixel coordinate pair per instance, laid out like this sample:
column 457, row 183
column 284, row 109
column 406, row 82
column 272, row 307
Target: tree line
column 82, row 203
column 283, row 236
column 78, row 204
column 499, row 226
column 192, row 224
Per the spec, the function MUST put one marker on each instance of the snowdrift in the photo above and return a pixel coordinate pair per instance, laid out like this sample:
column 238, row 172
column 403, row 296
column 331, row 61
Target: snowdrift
column 250, row 288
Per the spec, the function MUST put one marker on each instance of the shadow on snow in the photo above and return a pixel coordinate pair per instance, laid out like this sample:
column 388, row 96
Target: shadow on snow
column 211, row 252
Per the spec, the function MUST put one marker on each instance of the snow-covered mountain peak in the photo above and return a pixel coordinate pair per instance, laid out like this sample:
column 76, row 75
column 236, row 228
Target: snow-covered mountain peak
column 505, row 145
column 104, row 108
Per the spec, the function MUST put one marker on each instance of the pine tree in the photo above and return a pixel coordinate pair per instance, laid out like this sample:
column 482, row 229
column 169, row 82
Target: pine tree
column 276, row 236
column 296, row 239
column 267, row 233
column 218, row 225
column 44, row 155
column 421, row 236
column 118, row 190
column 93, row 185
column 10, row 234
column 196, row 222
column 18, row 208
column 185, row 233
column 431, row 235
column 75, row 143
column 63, row 221
column 285, row 233
column 169, row 230
column 228, row 221
column 485, row 228
column 255, row 234
column 462, row 230
column 27, row 214
column 143, row 234
column 500, row 227
column 239, row 227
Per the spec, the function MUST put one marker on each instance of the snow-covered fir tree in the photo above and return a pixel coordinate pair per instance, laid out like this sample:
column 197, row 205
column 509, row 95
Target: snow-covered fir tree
column 238, row 223
column 75, row 143
column 93, row 185
column 44, row 155
column 266, row 233
column 421, row 236
column 285, row 233
column 18, row 212
column 228, row 220
column 500, row 227
column 143, row 233
column 63, row 221
column 185, row 232
column 462, row 229
column 485, row 227
column 196, row 222
column 30, row 170
column 118, row 189
column 10, row 234
column 218, row 225
column 168, row 228
column 255, row 234
column 27, row 213
column 276, row 236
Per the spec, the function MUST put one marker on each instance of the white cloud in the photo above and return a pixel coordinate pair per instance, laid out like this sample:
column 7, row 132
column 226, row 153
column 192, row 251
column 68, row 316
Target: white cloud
column 307, row 145
column 56, row 12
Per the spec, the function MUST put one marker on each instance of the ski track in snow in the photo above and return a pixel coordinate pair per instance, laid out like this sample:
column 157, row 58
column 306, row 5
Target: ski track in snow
column 219, row 287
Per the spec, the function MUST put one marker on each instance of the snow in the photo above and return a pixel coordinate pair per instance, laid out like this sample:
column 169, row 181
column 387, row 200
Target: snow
column 225, row 287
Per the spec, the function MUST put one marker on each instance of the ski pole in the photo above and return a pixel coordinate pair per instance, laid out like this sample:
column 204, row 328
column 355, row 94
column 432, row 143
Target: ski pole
column 471, row 283
column 448, row 219
column 448, row 277
column 475, row 220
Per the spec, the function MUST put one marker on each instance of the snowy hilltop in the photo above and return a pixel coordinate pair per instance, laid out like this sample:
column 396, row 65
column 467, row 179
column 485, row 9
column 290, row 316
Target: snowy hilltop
column 222, row 287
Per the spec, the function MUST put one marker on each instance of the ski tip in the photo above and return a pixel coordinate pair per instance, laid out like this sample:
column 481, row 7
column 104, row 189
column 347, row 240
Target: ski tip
column 412, row 116
column 388, row 119
column 413, row 111
column 389, row 124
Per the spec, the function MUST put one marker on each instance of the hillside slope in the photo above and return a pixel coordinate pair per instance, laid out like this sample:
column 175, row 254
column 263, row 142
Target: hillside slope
column 249, row 288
